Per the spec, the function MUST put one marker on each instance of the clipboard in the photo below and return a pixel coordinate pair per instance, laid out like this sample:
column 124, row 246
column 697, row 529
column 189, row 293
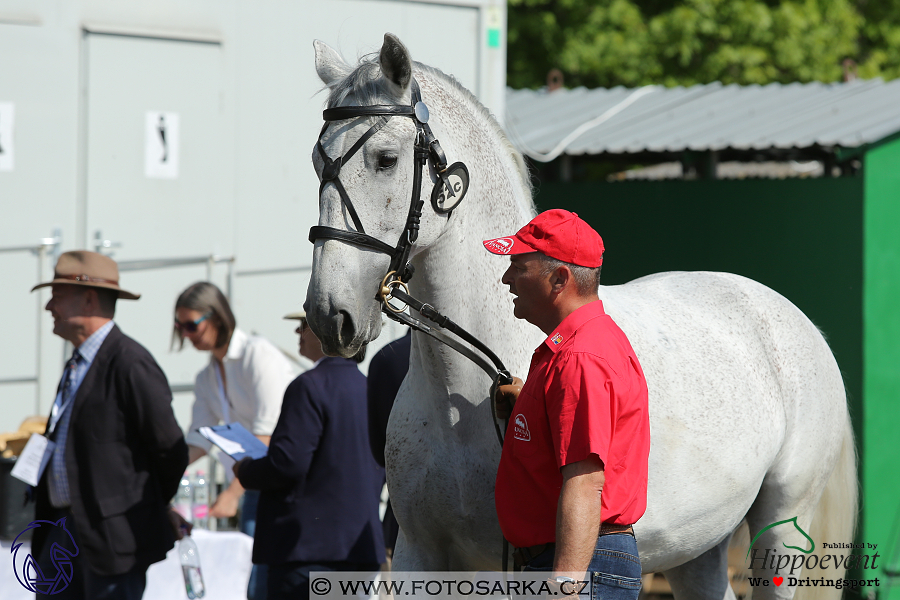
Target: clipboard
column 235, row 441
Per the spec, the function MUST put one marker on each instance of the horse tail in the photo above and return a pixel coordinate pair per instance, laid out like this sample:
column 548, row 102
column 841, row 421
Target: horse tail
column 835, row 516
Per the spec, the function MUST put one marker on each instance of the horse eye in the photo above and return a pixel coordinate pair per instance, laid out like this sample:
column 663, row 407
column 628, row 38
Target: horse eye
column 387, row 161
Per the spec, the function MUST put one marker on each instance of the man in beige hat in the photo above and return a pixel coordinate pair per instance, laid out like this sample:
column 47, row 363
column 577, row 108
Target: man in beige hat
column 116, row 450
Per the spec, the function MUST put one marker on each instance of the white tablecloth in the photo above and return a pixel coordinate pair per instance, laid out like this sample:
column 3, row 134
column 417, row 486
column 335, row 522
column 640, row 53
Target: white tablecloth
column 224, row 561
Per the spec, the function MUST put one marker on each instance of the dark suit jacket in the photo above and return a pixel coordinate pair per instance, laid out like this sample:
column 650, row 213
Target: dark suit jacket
column 320, row 485
column 386, row 372
column 125, row 455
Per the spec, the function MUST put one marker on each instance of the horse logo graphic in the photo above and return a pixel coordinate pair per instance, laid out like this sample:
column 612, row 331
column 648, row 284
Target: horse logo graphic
column 521, row 429
column 796, row 526
column 62, row 552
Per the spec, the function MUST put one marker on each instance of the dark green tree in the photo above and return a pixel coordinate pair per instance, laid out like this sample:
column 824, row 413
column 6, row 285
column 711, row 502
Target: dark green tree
column 604, row 43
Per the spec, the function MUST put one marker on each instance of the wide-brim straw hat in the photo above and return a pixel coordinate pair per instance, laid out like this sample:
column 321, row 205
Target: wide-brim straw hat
column 295, row 316
column 91, row 269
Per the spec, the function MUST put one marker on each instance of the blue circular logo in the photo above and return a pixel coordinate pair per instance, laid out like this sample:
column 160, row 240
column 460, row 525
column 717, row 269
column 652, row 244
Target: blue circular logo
column 62, row 551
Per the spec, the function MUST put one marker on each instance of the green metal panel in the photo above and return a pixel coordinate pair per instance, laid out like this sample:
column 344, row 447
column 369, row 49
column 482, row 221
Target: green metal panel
column 881, row 384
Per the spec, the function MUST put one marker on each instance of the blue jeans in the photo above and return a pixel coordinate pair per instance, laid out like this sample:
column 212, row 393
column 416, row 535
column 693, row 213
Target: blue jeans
column 256, row 588
column 615, row 568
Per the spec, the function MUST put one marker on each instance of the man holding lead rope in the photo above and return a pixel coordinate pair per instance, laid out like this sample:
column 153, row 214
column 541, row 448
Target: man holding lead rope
column 572, row 478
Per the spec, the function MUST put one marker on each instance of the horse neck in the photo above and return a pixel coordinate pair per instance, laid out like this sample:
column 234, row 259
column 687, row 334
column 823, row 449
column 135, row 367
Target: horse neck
column 456, row 274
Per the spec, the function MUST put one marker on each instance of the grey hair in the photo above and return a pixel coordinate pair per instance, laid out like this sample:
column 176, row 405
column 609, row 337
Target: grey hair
column 587, row 279
column 364, row 82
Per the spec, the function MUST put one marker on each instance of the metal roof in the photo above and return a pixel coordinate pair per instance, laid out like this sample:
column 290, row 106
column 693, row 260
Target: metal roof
column 714, row 116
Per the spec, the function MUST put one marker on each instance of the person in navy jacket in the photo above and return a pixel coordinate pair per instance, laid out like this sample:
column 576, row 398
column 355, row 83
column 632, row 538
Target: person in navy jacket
column 320, row 485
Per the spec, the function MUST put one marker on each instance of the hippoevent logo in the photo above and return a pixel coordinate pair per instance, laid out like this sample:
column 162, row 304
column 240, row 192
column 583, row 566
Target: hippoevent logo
column 62, row 551
column 786, row 565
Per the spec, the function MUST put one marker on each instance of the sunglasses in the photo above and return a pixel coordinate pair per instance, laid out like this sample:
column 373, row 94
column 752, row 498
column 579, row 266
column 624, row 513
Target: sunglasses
column 191, row 326
column 303, row 325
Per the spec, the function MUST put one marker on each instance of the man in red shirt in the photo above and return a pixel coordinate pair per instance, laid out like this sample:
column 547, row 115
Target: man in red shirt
column 573, row 473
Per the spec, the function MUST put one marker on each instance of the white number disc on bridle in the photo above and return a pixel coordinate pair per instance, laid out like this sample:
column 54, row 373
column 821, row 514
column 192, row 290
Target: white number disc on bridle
column 457, row 176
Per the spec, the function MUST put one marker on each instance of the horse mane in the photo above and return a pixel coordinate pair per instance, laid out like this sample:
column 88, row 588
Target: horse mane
column 368, row 86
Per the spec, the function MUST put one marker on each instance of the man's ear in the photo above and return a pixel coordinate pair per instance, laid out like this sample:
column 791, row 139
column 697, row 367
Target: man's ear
column 560, row 279
column 90, row 300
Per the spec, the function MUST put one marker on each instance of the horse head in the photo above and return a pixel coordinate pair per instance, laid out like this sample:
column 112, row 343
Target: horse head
column 366, row 167
column 62, row 551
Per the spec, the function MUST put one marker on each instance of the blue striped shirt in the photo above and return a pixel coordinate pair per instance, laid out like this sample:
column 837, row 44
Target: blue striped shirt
column 58, row 479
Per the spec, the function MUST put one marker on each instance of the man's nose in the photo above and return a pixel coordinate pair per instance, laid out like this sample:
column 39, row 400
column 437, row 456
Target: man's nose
column 507, row 277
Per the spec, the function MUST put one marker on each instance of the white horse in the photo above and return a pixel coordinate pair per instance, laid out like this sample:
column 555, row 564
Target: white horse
column 747, row 406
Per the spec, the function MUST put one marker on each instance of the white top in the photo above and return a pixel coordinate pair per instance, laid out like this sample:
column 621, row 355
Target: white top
column 256, row 375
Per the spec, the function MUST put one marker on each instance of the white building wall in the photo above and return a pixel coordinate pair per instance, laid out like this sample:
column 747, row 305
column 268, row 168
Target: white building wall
column 82, row 76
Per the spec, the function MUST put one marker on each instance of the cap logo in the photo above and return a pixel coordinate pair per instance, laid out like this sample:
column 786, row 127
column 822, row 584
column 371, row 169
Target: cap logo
column 556, row 339
column 500, row 245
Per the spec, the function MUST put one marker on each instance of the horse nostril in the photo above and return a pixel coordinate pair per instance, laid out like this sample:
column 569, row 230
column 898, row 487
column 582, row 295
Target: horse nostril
column 345, row 327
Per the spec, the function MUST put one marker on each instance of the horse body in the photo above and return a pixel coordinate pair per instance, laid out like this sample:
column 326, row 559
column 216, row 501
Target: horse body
column 747, row 408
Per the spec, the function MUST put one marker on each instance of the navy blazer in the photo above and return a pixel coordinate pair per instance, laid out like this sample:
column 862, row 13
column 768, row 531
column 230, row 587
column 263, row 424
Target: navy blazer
column 125, row 454
column 320, row 485
column 387, row 370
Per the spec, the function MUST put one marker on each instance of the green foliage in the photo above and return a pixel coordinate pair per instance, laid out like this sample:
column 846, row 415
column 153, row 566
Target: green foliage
column 604, row 43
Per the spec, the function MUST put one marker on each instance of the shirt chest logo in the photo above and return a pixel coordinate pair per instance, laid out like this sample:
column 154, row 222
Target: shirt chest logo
column 520, row 428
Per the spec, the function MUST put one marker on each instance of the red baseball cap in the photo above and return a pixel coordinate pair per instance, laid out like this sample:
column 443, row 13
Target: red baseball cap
column 559, row 234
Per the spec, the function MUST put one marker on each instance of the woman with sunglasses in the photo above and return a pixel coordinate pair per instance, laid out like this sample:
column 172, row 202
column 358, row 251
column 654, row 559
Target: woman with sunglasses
column 244, row 382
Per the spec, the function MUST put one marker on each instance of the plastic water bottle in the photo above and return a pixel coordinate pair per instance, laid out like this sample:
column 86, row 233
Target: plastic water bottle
column 184, row 499
column 190, row 566
column 201, row 501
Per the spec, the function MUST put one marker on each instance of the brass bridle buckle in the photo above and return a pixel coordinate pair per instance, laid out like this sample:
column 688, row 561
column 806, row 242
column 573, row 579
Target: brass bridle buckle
column 388, row 284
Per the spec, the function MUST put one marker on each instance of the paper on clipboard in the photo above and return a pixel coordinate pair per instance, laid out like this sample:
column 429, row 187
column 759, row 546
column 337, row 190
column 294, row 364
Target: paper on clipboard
column 235, row 441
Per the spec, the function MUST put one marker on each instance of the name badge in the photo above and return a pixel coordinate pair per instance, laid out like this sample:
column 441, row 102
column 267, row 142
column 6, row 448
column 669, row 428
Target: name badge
column 34, row 458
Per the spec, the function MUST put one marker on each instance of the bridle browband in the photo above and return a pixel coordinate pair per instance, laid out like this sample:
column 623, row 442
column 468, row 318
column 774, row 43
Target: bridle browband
column 394, row 284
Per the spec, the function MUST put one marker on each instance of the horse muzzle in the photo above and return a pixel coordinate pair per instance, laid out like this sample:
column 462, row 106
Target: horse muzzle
column 339, row 331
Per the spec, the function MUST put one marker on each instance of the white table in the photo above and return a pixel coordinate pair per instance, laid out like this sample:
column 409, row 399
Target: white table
column 224, row 560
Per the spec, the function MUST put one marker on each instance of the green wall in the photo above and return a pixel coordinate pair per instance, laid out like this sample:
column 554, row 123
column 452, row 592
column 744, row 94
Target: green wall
column 881, row 383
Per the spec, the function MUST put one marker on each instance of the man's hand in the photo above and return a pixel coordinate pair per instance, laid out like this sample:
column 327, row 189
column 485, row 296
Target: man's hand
column 226, row 505
column 179, row 525
column 505, row 398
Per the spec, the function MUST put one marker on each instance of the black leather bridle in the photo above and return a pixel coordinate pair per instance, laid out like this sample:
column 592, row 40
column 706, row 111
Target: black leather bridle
column 448, row 192
column 426, row 147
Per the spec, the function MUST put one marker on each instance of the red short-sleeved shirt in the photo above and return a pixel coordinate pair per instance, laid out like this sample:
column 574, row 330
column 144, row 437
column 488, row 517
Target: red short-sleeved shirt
column 585, row 394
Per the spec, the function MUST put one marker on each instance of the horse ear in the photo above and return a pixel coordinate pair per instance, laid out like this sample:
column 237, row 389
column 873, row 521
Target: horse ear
column 395, row 61
column 329, row 64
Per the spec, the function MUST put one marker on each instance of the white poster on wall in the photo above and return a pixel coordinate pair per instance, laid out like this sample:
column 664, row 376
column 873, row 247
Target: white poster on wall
column 7, row 115
column 161, row 145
